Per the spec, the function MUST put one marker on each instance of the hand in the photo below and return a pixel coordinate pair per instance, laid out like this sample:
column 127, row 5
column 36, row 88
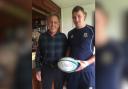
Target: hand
column 38, row 75
column 83, row 64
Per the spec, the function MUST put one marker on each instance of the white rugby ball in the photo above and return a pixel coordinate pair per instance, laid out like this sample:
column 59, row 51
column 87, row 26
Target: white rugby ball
column 68, row 64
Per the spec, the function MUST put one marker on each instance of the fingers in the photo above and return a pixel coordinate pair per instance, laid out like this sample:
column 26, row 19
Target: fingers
column 82, row 66
column 38, row 76
column 79, row 68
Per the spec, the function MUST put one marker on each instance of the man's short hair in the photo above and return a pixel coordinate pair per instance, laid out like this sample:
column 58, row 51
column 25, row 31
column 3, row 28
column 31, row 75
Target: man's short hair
column 51, row 15
column 79, row 8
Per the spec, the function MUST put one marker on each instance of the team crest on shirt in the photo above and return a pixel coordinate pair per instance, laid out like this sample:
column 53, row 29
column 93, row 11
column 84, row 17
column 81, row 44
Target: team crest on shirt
column 85, row 35
column 72, row 36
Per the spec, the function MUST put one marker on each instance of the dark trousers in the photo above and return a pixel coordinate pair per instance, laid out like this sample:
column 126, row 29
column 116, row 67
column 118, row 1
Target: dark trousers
column 50, row 75
column 81, row 80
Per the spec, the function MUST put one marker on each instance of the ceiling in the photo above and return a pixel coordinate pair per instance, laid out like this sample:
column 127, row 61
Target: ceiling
column 68, row 3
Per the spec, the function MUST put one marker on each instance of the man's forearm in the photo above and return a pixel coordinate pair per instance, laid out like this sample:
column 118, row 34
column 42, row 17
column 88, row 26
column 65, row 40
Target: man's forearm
column 91, row 60
column 38, row 60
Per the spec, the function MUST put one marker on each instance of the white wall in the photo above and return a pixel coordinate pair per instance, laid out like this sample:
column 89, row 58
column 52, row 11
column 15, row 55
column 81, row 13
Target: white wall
column 66, row 18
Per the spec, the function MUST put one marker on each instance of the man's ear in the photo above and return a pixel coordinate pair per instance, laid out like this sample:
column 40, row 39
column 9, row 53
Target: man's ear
column 84, row 17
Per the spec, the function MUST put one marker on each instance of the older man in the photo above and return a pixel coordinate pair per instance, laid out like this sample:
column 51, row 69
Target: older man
column 52, row 47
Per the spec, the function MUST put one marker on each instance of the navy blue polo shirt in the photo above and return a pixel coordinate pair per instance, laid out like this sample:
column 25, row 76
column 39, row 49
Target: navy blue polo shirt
column 81, row 42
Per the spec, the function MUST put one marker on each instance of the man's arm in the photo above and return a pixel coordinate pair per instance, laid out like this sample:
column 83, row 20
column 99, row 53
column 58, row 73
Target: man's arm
column 84, row 64
column 38, row 61
column 91, row 60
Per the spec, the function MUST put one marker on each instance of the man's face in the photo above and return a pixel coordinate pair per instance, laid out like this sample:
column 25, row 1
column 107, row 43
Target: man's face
column 53, row 24
column 78, row 19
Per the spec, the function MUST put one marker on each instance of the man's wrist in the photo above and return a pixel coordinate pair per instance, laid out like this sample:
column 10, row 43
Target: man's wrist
column 86, row 63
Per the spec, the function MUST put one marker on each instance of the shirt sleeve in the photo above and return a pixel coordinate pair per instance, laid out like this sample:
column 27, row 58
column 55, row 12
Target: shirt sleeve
column 93, row 29
column 38, row 56
column 68, row 40
column 65, row 44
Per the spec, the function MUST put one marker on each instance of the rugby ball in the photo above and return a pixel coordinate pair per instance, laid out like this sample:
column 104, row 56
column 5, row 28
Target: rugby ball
column 68, row 64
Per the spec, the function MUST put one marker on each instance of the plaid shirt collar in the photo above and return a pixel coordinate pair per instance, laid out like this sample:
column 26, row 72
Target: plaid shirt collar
column 50, row 34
